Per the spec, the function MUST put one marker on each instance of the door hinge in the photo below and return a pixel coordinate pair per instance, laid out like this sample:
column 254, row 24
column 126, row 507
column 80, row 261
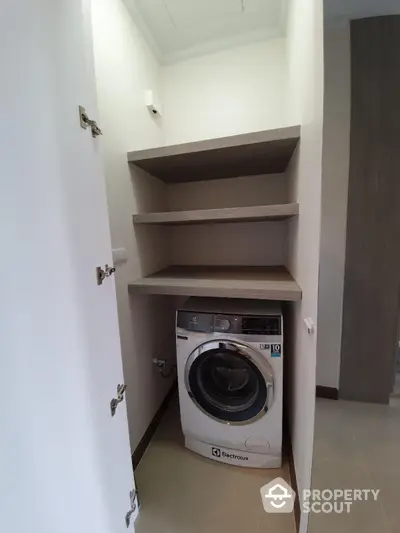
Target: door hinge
column 102, row 274
column 134, row 499
column 87, row 123
column 120, row 397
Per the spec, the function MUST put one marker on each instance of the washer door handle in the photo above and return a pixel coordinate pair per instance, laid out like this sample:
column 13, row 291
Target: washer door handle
column 270, row 393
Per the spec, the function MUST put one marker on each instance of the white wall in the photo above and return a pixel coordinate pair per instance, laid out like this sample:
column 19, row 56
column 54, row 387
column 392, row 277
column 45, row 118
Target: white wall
column 335, row 178
column 226, row 93
column 305, row 54
column 125, row 68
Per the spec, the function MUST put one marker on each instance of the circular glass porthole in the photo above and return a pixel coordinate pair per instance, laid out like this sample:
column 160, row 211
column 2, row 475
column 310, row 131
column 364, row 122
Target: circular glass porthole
column 227, row 383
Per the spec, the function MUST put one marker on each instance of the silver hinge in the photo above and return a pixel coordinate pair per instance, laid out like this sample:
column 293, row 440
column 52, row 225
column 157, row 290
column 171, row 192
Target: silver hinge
column 87, row 123
column 102, row 274
column 120, row 397
column 134, row 498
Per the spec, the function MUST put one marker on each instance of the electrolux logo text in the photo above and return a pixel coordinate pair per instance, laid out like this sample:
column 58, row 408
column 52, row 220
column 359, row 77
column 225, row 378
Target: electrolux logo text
column 217, row 452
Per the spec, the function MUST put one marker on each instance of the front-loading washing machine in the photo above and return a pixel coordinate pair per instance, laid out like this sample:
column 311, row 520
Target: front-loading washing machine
column 230, row 379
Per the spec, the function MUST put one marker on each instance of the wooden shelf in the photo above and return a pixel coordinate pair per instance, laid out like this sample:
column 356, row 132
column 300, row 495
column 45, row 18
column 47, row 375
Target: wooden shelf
column 263, row 283
column 263, row 152
column 228, row 214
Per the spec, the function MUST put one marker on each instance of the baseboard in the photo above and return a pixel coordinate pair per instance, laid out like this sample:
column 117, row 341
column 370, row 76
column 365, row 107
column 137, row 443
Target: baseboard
column 148, row 434
column 330, row 393
column 293, row 484
column 288, row 452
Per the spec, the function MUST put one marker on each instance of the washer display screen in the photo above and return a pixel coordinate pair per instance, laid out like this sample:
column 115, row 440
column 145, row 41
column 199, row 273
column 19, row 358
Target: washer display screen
column 227, row 385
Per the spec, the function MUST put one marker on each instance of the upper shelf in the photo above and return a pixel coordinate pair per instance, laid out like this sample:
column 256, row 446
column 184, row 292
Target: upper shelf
column 250, row 154
column 227, row 214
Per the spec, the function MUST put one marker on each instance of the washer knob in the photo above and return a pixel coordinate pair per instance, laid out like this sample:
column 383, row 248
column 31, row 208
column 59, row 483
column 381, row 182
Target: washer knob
column 223, row 324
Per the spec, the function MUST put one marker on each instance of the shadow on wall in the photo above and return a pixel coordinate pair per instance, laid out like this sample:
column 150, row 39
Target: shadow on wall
column 152, row 318
column 150, row 194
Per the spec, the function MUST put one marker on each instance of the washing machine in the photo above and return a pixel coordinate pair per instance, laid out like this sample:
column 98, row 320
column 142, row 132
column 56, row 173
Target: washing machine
column 230, row 379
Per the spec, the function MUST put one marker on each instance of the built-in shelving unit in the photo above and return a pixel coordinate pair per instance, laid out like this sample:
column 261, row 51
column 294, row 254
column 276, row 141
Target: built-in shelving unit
column 256, row 163
column 250, row 154
column 265, row 283
column 228, row 214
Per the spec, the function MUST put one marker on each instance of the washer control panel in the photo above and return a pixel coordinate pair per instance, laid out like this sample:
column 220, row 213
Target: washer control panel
column 202, row 322
column 224, row 323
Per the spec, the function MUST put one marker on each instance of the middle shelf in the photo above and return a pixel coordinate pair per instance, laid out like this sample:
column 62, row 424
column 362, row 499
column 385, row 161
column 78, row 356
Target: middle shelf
column 227, row 214
column 265, row 283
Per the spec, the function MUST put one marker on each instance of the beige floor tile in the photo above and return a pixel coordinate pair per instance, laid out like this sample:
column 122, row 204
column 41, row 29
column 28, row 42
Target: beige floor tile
column 334, row 474
column 331, row 447
column 368, row 517
column 357, row 446
column 389, row 485
column 360, row 519
column 182, row 492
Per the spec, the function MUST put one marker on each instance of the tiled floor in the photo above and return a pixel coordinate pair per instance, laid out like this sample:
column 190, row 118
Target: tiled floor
column 181, row 492
column 357, row 445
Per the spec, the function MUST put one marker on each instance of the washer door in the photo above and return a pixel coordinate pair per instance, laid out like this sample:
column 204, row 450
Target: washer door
column 229, row 381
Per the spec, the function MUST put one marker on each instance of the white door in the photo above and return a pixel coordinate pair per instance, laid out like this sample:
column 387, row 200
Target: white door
column 65, row 462
column 99, row 306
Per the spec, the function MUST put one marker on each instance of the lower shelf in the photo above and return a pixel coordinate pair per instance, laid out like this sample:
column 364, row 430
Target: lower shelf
column 262, row 283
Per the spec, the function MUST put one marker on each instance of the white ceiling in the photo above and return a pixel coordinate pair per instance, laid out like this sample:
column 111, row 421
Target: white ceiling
column 182, row 28
column 336, row 10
